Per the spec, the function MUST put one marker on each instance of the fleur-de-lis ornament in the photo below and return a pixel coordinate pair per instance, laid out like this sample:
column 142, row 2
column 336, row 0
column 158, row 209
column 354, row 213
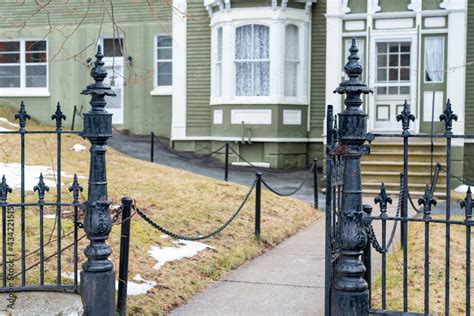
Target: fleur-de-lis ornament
column 76, row 189
column 4, row 190
column 427, row 201
column 448, row 116
column 467, row 205
column 405, row 116
column 58, row 116
column 383, row 200
column 22, row 116
column 41, row 188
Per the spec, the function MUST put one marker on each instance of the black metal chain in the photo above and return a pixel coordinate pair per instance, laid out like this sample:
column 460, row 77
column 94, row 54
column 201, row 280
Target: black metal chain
column 294, row 191
column 194, row 157
column 195, row 238
column 370, row 228
column 464, row 181
column 263, row 170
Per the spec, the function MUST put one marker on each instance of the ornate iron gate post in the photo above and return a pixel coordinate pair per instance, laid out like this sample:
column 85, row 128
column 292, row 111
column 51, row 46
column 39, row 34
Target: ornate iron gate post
column 350, row 293
column 98, row 276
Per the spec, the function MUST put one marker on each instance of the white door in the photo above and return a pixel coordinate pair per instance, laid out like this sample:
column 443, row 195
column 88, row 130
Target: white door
column 114, row 65
column 393, row 83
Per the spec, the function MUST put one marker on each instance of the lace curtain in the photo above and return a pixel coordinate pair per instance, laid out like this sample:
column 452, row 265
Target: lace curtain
column 252, row 60
column 291, row 60
column 434, row 59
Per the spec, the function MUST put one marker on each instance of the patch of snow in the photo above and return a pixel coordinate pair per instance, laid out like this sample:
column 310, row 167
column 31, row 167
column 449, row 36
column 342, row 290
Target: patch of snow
column 3, row 129
column 184, row 249
column 6, row 121
column 139, row 286
column 78, row 148
column 49, row 216
column 12, row 172
column 462, row 188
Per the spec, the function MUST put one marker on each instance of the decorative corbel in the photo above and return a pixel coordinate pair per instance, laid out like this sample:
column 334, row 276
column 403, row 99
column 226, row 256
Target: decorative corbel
column 308, row 6
column 375, row 6
column 444, row 5
column 221, row 4
column 274, row 4
column 284, row 3
column 209, row 9
column 227, row 5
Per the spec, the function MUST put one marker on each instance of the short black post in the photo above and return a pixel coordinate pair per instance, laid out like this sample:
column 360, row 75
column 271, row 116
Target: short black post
column 315, row 183
column 258, row 204
column 124, row 251
column 98, row 275
column 226, row 175
column 350, row 291
column 152, row 148
column 74, row 113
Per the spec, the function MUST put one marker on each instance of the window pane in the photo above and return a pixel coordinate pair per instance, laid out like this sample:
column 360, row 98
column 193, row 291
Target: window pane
column 382, row 75
column 405, row 60
column 9, row 58
column 393, row 48
column 113, row 47
column 404, row 90
column 434, row 59
column 36, row 57
column 405, row 47
column 243, row 42
column 219, row 44
column 9, row 46
column 36, row 76
column 382, row 60
column 291, row 42
column 405, row 74
column 165, row 73
column 291, row 78
column 261, row 42
column 381, row 47
column 392, row 90
column 381, row 90
column 243, row 79
column 10, row 76
column 165, row 53
column 261, row 79
column 393, row 60
column 164, row 41
column 35, row 46
column 393, row 74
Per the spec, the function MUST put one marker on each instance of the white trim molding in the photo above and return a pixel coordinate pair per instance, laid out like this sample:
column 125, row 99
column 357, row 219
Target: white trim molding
column 178, row 120
column 253, row 139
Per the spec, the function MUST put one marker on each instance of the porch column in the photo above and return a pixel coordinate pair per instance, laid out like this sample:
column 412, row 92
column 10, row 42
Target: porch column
column 350, row 293
column 97, row 275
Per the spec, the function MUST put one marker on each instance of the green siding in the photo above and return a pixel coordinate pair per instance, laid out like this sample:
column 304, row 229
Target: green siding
column 318, row 69
column 430, row 4
column 394, row 6
column 358, row 6
column 198, row 115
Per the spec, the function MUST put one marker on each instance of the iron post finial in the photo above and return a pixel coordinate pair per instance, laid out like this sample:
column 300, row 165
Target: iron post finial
column 22, row 116
column 4, row 190
column 406, row 116
column 383, row 199
column 98, row 90
column 427, row 201
column 76, row 189
column 41, row 188
column 448, row 116
column 468, row 204
column 58, row 116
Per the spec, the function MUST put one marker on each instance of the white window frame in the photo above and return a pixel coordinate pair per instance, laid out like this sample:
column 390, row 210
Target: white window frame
column 23, row 90
column 424, row 59
column 160, row 90
column 276, row 20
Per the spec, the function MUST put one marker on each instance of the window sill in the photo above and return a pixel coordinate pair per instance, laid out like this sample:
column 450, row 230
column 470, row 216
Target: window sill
column 163, row 90
column 258, row 100
column 24, row 92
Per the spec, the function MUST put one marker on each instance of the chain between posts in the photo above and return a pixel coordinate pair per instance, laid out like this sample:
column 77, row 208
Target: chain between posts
column 307, row 176
column 195, row 238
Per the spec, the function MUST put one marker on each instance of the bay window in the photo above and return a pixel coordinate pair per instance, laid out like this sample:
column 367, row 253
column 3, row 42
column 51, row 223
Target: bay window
column 23, row 65
column 260, row 56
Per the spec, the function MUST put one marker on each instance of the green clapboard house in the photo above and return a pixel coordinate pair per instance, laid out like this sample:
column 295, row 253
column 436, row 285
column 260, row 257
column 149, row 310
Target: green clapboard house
column 255, row 73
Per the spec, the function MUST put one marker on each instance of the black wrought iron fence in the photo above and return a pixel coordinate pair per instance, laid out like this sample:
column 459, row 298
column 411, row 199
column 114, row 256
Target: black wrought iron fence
column 350, row 233
column 31, row 253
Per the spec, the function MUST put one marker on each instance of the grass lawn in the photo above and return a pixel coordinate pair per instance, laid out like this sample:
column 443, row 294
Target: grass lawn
column 416, row 272
column 181, row 201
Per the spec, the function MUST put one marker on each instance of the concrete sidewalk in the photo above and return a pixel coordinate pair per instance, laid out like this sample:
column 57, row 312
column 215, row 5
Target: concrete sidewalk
column 287, row 280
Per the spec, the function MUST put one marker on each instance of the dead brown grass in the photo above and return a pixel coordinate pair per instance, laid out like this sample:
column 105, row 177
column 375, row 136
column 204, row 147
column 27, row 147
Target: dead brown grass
column 181, row 201
column 437, row 270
